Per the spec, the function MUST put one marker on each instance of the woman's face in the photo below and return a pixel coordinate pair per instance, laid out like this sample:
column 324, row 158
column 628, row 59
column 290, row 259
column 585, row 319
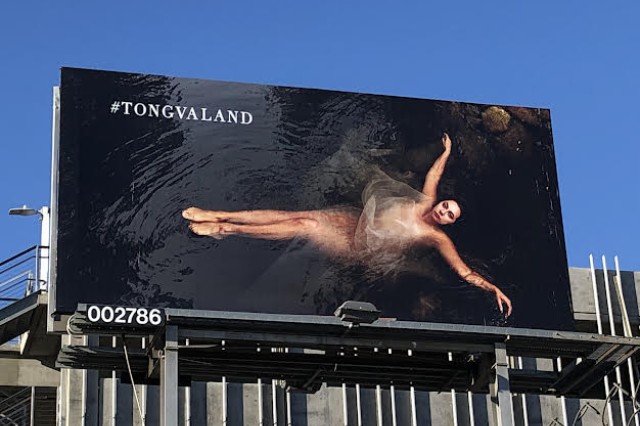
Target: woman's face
column 446, row 212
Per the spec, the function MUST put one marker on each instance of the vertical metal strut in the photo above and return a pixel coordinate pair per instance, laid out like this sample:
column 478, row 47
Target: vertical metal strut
column 500, row 389
column 169, row 378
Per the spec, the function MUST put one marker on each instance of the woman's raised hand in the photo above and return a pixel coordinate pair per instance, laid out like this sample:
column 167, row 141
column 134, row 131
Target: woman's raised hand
column 446, row 142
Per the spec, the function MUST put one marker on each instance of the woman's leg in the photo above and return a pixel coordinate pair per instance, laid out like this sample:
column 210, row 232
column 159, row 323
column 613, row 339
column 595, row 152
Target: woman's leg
column 283, row 230
column 247, row 217
column 330, row 230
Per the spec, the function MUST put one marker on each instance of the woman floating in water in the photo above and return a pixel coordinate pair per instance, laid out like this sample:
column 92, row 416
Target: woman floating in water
column 395, row 218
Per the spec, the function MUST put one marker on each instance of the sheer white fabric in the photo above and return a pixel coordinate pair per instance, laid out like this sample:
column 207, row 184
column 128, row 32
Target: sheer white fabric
column 389, row 224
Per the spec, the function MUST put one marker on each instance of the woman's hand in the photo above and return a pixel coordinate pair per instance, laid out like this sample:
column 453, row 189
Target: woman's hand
column 446, row 142
column 434, row 174
column 502, row 301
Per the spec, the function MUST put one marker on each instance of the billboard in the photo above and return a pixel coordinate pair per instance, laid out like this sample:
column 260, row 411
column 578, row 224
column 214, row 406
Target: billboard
column 187, row 193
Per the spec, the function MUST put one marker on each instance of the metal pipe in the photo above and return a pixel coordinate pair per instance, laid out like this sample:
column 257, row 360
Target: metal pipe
column 60, row 417
column 143, row 402
column 607, row 388
column 289, row 416
column 563, row 402
column 83, row 395
column 32, row 408
column 454, row 407
column 627, row 331
column 274, row 402
column 414, row 413
column 187, row 399
column 33, row 288
column 607, row 293
column 224, row 400
column 612, row 329
column 454, row 403
column 187, row 405
column 626, row 323
column 114, row 389
column 260, row 409
column 378, row 405
column 288, row 400
column 523, row 397
column 359, row 404
column 595, row 295
column 28, row 274
column 345, row 408
column 394, row 417
column 143, row 391
column 472, row 419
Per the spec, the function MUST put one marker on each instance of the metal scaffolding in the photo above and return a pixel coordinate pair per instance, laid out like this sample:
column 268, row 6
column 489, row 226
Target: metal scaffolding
column 242, row 347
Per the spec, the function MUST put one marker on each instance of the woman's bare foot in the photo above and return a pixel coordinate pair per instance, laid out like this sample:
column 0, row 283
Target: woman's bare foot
column 209, row 229
column 195, row 214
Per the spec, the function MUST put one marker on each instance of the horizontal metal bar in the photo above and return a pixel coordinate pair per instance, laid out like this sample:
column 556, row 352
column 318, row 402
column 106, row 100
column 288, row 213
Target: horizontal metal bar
column 310, row 341
column 4, row 262
column 194, row 318
column 17, row 264
column 15, row 277
column 308, row 371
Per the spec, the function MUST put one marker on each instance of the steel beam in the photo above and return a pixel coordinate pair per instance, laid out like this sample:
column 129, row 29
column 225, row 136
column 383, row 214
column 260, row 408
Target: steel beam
column 500, row 389
column 169, row 378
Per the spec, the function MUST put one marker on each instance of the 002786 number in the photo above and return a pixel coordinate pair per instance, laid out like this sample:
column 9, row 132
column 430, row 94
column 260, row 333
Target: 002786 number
column 122, row 315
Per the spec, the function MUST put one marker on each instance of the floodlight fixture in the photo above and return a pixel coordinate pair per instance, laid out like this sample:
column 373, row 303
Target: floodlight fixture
column 357, row 312
column 24, row 211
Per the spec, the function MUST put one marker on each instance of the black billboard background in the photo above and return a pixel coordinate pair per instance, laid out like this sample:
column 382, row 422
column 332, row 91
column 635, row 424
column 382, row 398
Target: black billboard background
column 124, row 180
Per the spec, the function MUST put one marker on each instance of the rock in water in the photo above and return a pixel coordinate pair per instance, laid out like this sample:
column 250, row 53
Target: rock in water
column 496, row 119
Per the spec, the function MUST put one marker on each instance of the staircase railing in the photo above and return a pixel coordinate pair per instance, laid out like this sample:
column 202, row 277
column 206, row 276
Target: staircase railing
column 20, row 275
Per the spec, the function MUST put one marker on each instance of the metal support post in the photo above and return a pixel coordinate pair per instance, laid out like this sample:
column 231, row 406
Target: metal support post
column 169, row 378
column 500, row 389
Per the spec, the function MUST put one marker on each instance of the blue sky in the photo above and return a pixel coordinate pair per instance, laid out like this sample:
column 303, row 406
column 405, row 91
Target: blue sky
column 580, row 59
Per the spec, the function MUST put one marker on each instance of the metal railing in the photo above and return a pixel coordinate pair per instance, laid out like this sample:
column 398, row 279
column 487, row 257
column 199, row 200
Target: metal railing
column 22, row 274
column 17, row 409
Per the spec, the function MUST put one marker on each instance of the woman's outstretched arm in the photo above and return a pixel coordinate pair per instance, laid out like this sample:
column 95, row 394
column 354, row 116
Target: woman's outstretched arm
column 437, row 169
column 449, row 252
